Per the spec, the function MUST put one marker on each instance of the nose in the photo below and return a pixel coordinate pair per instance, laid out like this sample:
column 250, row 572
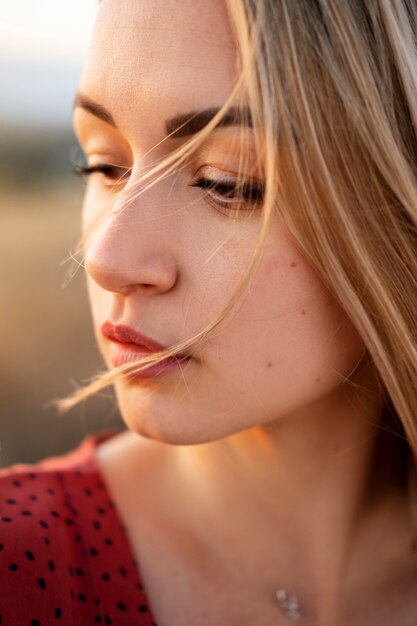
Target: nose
column 131, row 249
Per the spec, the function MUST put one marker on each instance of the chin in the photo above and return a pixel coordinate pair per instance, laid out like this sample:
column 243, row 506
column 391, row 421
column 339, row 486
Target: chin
column 169, row 433
column 152, row 416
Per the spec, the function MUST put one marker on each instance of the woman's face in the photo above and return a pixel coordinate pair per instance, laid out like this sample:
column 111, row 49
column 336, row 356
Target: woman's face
column 166, row 263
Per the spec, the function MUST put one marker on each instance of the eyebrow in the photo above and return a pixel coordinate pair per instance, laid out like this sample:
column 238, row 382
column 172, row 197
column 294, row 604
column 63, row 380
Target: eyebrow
column 180, row 125
column 84, row 102
column 191, row 123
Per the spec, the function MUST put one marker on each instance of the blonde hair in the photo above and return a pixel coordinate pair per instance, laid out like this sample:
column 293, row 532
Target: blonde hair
column 332, row 89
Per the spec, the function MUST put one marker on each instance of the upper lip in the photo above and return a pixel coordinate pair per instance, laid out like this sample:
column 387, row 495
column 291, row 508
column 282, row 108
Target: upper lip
column 125, row 334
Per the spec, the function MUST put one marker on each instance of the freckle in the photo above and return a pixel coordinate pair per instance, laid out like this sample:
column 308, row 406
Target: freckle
column 293, row 264
column 269, row 364
column 303, row 312
column 318, row 380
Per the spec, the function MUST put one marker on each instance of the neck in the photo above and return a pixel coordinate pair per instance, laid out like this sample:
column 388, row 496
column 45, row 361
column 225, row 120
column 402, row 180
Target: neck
column 291, row 499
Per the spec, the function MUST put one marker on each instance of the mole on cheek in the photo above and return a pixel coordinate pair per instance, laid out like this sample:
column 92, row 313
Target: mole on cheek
column 269, row 364
column 293, row 264
column 303, row 312
column 318, row 380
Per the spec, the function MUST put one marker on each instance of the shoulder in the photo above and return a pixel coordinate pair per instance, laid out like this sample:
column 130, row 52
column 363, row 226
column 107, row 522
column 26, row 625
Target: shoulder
column 34, row 540
column 50, row 516
column 32, row 496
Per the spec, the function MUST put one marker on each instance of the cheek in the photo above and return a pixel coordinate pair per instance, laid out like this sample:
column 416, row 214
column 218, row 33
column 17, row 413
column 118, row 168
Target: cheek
column 290, row 333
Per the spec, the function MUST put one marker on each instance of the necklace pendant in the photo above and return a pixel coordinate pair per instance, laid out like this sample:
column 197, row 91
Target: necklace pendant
column 288, row 603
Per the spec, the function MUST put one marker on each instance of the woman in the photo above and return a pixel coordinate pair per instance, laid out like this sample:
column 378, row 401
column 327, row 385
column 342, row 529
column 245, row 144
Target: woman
column 250, row 248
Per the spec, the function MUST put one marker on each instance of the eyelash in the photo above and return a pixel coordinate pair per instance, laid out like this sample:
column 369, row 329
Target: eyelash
column 229, row 193
column 219, row 192
column 118, row 174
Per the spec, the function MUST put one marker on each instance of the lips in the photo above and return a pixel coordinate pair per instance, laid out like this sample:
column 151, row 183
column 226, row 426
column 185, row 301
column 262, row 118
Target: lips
column 127, row 335
column 127, row 345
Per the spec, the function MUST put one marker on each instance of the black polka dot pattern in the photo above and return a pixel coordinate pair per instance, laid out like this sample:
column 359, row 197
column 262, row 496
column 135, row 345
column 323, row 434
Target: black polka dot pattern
column 65, row 556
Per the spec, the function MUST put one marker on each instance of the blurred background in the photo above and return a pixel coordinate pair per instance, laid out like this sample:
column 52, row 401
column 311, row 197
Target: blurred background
column 47, row 343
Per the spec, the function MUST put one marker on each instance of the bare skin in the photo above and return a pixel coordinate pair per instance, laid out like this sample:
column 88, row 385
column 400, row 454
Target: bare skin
column 260, row 464
column 213, row 544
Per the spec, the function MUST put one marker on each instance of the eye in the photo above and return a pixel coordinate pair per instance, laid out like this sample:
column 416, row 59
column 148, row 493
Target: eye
column 112, row 174
column 231, row 192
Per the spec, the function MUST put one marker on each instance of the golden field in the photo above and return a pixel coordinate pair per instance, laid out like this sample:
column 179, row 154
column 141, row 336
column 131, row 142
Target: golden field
column 47, row 344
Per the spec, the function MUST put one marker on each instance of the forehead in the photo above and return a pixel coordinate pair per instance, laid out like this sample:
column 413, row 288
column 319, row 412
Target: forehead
column 159, row 57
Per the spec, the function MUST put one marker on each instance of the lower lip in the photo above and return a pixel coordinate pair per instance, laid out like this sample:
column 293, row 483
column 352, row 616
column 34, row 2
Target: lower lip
column 122, row 353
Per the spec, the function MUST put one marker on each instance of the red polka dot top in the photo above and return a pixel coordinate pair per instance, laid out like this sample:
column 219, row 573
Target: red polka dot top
column 65, row 557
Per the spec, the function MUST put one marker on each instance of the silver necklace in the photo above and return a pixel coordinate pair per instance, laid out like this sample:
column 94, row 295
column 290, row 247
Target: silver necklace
column 288, row 603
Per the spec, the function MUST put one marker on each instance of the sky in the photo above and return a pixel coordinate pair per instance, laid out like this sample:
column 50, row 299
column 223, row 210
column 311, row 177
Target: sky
column 42, row 47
